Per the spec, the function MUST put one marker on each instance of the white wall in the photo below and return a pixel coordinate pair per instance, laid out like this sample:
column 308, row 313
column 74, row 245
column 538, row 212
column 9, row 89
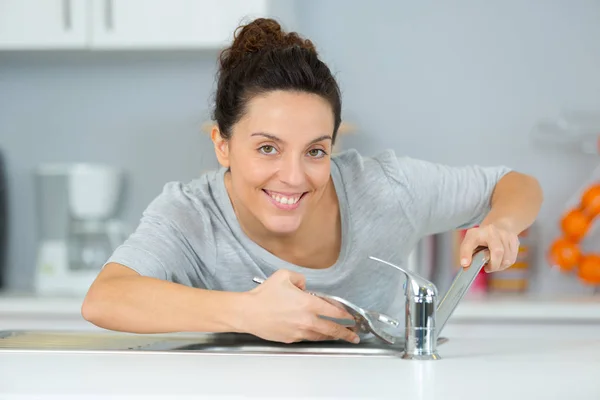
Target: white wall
column 464, row 81
column 454, row 82
column 141, row 112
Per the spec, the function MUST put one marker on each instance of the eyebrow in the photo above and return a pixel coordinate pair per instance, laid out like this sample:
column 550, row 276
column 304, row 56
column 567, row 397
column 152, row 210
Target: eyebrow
column 276, row 139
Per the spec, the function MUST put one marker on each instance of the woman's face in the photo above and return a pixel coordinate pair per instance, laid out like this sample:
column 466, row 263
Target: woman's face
column 279, row 156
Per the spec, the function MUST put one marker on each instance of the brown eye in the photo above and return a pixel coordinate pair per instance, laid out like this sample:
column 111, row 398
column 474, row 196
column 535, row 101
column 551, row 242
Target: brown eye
column 266, row 149
column 316, row 153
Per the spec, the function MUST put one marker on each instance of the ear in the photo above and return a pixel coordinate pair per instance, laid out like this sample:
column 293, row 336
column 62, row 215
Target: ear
column 221, row 146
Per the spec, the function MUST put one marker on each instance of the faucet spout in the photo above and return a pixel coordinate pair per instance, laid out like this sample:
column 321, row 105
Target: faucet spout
column 424, row 317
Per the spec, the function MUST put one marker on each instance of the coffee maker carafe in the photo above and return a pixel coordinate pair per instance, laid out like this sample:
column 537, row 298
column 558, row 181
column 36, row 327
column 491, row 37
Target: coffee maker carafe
column 93, row 235
column 77, row 205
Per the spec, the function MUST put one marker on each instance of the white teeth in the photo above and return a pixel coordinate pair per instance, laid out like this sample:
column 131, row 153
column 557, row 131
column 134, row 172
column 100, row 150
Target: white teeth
column 285, row 200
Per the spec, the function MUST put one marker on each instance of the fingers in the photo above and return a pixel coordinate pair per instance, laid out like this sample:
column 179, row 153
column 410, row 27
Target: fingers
column 329, row 308
column 316, row 337
column 470, row 242
column 295, row 278
column 503, row 247
column 510, row 257
column 325, row 328
column 473, row 239
column 496, row 249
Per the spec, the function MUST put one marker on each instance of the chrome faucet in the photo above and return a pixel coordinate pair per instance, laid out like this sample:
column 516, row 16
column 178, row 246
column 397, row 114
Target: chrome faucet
column 425, row 318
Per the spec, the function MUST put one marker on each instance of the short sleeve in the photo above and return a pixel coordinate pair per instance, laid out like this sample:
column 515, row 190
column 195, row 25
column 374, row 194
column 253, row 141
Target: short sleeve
column 166, row 241
column 439, row 198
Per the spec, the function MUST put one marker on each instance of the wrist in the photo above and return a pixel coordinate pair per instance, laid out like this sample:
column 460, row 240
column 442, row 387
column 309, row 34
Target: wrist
column 505, row 223
column 242, row 308
column 221, row 311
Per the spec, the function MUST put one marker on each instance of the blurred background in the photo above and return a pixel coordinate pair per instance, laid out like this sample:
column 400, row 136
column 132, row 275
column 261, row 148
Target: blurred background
column 104, row 101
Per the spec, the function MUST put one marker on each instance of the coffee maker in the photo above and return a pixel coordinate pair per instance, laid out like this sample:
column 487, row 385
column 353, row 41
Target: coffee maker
column 78, row 231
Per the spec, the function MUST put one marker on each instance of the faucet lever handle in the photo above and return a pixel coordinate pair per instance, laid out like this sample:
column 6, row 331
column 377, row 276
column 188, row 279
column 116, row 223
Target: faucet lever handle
column 416, row 285
column 460, row 285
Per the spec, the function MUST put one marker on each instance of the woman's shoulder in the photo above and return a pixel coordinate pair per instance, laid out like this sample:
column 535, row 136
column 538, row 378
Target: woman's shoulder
column 381, row 165
column 365, row 177
column 354, row 160
column 179, row 202
column 385, row 170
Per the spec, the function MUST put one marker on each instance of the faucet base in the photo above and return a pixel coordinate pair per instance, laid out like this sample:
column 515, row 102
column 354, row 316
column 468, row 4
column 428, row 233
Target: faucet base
column 430, row 356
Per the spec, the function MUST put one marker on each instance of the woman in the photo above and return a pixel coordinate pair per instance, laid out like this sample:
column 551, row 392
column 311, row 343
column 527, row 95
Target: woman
column 283, row 208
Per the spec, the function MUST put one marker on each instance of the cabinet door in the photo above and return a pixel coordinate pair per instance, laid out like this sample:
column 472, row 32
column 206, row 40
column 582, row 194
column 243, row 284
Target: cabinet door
column 43, row 24
column 160, row 24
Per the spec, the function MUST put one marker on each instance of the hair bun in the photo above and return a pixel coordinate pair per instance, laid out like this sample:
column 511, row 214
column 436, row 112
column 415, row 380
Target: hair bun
column 263, row 58
column 262, row 34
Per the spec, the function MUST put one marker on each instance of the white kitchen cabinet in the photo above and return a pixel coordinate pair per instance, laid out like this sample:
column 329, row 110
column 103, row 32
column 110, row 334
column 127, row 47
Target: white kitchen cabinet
column 160, row 24
column 43, row 24
column 125, row 24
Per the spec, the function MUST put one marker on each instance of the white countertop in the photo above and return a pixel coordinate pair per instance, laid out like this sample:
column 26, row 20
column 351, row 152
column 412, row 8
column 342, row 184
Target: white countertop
column 499, row 348
column 531, row 367
column 474, row 308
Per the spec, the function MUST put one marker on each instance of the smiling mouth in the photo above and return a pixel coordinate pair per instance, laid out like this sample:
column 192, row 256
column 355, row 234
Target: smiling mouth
column 287, row 201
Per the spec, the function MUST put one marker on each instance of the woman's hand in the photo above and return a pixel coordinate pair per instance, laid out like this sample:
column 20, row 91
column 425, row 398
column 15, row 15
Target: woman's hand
column 503, row 246
column 280, row 310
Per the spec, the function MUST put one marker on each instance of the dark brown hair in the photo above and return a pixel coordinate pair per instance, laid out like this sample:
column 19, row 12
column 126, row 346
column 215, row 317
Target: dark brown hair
column 264, row 58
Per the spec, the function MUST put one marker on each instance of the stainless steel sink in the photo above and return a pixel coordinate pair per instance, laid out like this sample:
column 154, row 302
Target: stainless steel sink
column 220, row 343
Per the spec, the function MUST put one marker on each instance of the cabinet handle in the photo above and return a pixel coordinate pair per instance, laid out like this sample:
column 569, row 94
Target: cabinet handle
column 108, row 14
column 66, row 11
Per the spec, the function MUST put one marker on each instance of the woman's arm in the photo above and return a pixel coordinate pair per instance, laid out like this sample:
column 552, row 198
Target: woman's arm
column 156, row 282
column 440, row 198
column 279, row 310
column 122, row 300
column 515, row 204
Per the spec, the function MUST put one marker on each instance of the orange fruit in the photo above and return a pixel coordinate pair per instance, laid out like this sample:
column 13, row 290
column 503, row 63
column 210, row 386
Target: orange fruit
column 589, row 270
column 575, row 225
column 564, row 254
column 590, row 200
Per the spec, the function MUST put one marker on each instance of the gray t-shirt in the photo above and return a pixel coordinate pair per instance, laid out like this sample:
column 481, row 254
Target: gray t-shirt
column 190, row 235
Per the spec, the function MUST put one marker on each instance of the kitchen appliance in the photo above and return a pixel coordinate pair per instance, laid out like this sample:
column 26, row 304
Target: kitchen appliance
column 3, row 221
column 78, row 231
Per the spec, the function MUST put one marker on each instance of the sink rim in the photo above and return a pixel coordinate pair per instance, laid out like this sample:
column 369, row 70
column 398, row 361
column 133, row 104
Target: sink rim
column 190, row 343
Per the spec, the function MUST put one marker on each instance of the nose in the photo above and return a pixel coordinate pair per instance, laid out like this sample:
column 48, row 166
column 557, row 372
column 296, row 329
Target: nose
column 291, row 171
